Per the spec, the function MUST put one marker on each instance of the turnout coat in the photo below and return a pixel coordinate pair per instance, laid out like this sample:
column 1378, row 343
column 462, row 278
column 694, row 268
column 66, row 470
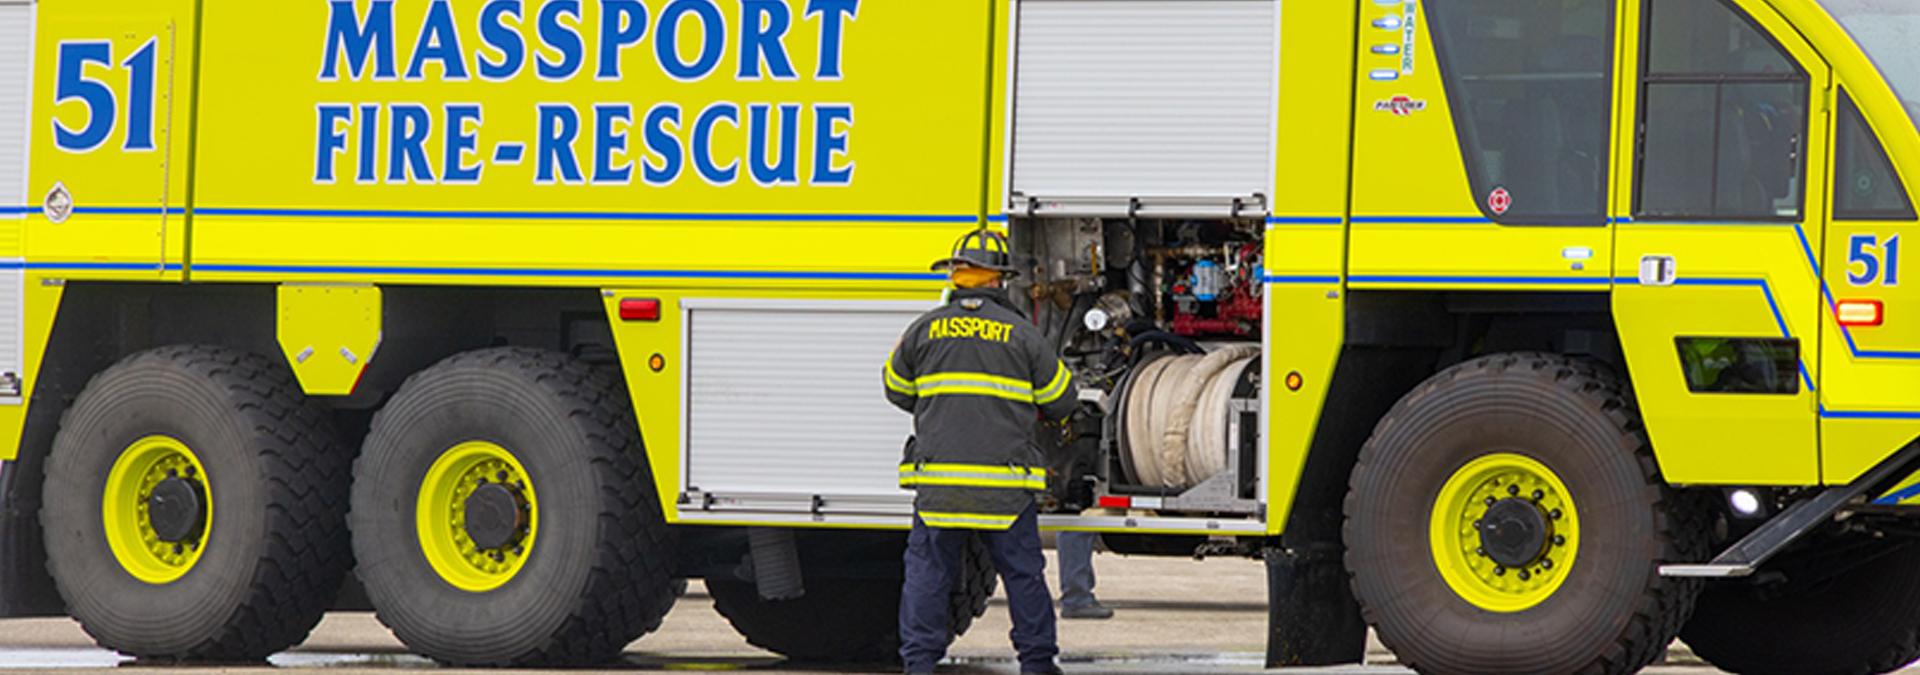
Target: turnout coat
column 975, row 373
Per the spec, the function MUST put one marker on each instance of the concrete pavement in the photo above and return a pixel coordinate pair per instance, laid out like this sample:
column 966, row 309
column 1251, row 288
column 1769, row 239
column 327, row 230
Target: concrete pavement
column 1173, row 615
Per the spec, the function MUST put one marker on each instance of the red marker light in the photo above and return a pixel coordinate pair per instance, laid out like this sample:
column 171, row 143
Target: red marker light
column 1859, row 312
column 1113, row 502
column 639, row 309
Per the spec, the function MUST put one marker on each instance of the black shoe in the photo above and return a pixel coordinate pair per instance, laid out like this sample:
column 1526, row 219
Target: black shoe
column 1092, row 610
column 1049, row 669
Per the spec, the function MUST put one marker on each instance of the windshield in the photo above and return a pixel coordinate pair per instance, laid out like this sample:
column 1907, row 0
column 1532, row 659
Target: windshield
column 1889, row 32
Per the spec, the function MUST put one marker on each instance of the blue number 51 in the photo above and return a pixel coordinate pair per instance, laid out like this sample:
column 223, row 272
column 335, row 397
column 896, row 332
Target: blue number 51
column 1862, row 249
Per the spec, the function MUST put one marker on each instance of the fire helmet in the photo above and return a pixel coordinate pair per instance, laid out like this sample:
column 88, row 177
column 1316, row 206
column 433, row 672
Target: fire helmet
column 980, row 248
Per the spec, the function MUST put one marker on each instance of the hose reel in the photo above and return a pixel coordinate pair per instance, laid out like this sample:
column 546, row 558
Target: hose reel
column 1175, row 416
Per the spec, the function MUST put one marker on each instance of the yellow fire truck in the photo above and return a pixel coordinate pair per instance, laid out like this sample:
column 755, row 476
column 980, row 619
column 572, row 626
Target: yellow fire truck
column 1530, row 333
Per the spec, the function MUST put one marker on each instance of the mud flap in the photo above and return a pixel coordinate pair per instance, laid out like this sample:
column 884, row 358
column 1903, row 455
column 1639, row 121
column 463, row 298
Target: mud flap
column 1312, row 618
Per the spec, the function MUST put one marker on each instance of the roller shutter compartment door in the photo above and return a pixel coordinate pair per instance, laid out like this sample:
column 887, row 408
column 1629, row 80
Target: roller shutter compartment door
column 784, row 398
column 1164, row 107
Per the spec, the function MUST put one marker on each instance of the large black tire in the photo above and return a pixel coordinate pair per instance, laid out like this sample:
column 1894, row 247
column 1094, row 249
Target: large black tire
column 1610, row 612
column 596, row 572
column 847, row 620
column 1859, row 621
column 275, row 548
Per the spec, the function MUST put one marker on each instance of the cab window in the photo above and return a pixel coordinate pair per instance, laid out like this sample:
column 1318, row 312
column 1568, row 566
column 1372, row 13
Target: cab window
column 1865, row 187
column 1529, row 83
column 1723, row 118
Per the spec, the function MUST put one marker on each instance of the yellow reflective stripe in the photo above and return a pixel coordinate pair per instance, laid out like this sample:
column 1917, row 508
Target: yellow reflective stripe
column 896, row 382
column 983, row 469
column 977, row 521
column 1021, row 483
column 996, row 483
column 974, row 384
column 965, row 390
column 1056, row 388
column 1009, row 383
column 973, row 475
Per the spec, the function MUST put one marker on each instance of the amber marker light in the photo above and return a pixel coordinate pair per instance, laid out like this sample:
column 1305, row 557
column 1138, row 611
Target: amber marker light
column 1859, row 312
column 1294, row 381
column 657, row 362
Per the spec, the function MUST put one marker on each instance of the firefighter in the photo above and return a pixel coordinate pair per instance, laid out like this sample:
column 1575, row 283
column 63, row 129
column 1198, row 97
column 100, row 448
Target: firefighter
column 975, row 373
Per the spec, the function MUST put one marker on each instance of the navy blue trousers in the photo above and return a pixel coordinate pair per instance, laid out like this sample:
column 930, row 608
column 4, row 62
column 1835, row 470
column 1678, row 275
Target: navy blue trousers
column 933, row 557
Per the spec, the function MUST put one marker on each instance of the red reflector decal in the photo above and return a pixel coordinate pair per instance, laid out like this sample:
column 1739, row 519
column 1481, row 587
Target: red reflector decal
column 1859, row 312
column 1112, row 502
column 639, row 309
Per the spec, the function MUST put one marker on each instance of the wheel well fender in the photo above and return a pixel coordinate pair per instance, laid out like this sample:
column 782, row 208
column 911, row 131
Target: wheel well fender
column 1394, row 340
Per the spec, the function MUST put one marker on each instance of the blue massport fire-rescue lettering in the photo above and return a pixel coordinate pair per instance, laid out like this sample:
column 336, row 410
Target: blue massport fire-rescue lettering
column 581, row 143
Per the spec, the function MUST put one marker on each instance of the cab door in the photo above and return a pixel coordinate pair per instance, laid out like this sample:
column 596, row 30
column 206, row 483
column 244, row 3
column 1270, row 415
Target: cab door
column 1870, row 364
column 1716, row 297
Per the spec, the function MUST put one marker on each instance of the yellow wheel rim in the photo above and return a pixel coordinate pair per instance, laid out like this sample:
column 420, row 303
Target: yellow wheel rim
column 441, row 516
column 124, row 505
column 1483, row 567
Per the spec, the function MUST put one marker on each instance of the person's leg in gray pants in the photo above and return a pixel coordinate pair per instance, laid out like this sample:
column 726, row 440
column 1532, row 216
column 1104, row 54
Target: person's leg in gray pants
column 1076, row 577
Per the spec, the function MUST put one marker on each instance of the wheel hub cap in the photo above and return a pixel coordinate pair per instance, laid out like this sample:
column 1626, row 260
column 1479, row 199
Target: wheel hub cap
column 496, row 516
column 176, row 508
column 1513, row 532
column 157, row 509
column 477, row 516
column 1504, row 532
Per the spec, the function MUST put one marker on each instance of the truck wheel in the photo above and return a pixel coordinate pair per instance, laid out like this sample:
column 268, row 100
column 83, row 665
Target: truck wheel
column 505, row 515
column 847, row 620
column 1507, row 516
column 195, row 507
column 1856, row 621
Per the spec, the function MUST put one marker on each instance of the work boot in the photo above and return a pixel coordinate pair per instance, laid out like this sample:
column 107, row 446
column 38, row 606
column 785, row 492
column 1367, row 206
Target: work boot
column 1091, row 610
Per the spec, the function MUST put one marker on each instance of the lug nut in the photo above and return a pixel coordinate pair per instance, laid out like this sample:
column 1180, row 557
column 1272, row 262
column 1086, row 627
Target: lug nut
column 173, row 473
column 1482, row 552
column 1546, row 563
column 1489, row 501
column 1538, row 495
column 1555, row 514
column 502, row 476
column 1513, row 489
column 1559, row 540
column 1524, row 576
column 178, row 549
column 1499, row 571
column 190, row 472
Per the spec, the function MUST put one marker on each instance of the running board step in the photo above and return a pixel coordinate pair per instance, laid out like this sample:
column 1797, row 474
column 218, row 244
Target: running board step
column 1746, row 555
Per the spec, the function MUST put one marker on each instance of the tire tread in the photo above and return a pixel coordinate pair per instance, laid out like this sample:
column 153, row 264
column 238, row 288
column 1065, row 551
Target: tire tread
column 628, row 592
column 1680, row 527
column 306, row 556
